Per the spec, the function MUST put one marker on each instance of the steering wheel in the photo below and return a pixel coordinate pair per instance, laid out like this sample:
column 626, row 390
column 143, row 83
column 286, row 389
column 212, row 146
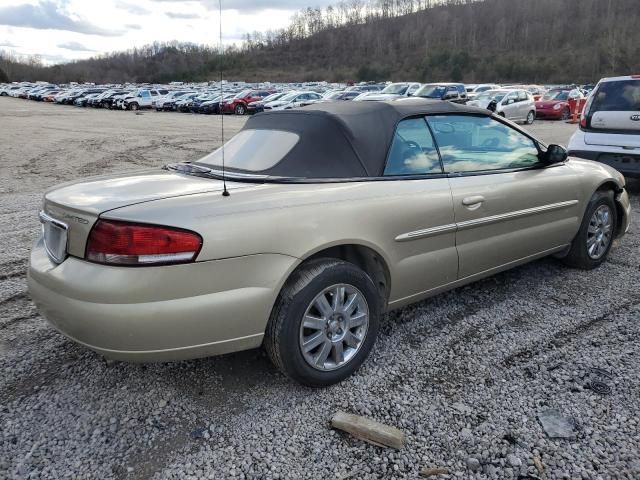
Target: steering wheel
column 491, row 142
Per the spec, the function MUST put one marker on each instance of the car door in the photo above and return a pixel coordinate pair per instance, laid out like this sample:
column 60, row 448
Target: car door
column 523, row 105
column 452, row 94
column 508, row 205
column 510, row 106
column 421, row 231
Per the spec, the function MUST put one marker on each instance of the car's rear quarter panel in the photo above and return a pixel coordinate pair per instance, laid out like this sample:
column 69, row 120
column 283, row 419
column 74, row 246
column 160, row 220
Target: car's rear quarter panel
column 301, row 220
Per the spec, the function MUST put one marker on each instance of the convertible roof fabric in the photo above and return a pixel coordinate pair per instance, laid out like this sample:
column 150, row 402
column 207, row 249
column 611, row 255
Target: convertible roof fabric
column 344, row 139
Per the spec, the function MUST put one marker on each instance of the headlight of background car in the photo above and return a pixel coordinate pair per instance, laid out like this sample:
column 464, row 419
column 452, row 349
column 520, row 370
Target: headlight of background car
column 557, row 106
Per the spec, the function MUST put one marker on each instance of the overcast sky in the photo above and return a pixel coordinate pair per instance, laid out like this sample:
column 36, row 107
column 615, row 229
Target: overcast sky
column 60, row 30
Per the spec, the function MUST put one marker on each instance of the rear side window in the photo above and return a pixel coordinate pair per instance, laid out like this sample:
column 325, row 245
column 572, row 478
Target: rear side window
column 253, row 150
column 620, row 96
column 472, row 143
column 412, row 151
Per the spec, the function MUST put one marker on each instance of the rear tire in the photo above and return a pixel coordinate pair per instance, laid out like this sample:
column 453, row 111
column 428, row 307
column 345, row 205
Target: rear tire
column 592, row 244
column 133, row 106
column 531, row 116
column 240, row 109
column 342, row 339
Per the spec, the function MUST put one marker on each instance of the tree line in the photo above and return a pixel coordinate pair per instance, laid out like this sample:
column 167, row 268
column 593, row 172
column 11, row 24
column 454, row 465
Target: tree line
column 541, row 41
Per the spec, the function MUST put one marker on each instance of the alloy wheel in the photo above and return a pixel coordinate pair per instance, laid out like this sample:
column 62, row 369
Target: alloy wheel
column 530, row 118
column 334, row 327
column 599, row 232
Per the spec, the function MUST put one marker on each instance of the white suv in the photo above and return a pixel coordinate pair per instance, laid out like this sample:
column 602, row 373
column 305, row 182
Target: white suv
column 610, row 125
column 143, row 98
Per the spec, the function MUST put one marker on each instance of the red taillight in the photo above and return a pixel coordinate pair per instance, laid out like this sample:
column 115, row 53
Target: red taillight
column 123, row 243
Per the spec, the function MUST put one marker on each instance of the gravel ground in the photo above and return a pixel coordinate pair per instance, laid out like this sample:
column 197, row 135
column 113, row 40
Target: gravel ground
column 464, row 374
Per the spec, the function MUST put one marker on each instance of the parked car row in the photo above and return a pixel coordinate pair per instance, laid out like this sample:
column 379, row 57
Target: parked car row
column 520, row 103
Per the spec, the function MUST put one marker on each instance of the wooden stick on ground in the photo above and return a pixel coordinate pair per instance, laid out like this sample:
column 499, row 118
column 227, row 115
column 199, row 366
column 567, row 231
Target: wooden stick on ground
column 370, row 431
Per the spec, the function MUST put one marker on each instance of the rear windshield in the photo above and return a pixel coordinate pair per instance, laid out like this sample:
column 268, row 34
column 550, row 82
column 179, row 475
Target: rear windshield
column 621, row 96
column 253, row 150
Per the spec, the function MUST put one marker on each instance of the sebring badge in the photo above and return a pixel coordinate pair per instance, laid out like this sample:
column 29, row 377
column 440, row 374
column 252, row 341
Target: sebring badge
column 635, row 118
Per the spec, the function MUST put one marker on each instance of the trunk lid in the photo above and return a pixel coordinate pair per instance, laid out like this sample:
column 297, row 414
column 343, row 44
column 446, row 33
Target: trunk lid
column 78, row 204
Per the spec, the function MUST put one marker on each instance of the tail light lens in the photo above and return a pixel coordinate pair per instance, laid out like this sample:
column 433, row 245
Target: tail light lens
column 124, row 243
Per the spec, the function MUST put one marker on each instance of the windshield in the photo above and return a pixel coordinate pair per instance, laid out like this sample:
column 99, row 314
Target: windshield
column 332, row 95
column 243, row 94
column 431, row 91
column 241, row 152
column 272, row 97
column 288, row 97
column 497, row 96
column 396, row 88
column 556, row 95
column 622, row 96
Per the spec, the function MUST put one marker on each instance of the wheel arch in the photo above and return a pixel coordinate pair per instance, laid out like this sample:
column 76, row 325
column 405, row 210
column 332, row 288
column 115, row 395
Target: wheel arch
column 366, row 257
column 612, row 185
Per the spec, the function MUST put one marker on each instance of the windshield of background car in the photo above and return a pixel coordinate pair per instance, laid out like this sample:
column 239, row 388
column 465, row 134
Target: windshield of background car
column 288, row 97
column 243, row 94
column 396, row 89
column 619, row 96
column 253, row 150
column 556, row 95
column 272, row 97
column 497, row 96
column 431, row 91
column 332, row 95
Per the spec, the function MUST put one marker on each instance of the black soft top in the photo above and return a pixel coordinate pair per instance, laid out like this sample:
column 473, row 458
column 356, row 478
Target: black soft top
column 344, row 139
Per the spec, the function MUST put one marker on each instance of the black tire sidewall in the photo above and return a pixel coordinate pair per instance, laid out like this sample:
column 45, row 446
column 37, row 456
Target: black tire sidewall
column 291, row 354
column 578, row 255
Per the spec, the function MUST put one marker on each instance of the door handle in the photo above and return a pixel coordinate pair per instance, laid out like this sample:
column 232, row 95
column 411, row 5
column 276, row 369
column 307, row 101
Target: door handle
column 471, row 201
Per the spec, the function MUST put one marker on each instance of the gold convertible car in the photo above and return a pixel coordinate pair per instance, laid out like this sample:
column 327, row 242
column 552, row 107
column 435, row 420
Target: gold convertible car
column 332, row 215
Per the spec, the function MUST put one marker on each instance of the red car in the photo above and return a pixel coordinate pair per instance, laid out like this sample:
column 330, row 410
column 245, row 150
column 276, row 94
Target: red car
column 555, row 103
column 238, row 104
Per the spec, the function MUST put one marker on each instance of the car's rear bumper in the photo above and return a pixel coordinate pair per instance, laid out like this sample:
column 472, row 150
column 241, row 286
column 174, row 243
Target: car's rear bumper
column 159, row 313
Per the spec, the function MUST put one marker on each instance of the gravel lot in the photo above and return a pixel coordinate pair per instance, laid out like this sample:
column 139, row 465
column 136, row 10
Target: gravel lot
column 464, row 374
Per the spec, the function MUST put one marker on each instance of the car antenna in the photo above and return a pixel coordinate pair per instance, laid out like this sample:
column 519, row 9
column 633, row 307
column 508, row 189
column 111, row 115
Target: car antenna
column 225, row 192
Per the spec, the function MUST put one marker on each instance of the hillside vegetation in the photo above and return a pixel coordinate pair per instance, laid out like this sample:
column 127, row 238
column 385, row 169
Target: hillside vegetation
column 423, row 40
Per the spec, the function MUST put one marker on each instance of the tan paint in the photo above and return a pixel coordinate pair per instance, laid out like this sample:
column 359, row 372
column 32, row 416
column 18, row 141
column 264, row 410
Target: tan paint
column 429, row 235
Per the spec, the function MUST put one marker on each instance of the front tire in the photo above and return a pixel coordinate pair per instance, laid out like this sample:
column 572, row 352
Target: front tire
column 324, row 323
column 566, row 114
column 133, row 107
column 240, row 109
column 592, row 244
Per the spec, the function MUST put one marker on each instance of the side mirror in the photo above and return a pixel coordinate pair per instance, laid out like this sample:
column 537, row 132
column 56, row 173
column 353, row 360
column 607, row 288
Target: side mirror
column 555, row 154
column 510, row 101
